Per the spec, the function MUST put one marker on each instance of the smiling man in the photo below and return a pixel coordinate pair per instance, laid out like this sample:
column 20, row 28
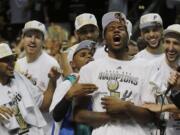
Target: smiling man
column 37, row 64
column 165, row 67
column 151, row 27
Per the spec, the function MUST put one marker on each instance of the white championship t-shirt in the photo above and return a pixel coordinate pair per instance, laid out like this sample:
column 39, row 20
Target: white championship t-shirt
column 123, row 79
column 158, row 85
column 39, row 70
column 147, row 55
column 23, row 98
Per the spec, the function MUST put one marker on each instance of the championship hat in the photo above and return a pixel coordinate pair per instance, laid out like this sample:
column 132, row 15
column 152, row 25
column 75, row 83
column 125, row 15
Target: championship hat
column 151, row 19
column 85, row 19
column 174, row 28
column 5, row 50
column 35, row 25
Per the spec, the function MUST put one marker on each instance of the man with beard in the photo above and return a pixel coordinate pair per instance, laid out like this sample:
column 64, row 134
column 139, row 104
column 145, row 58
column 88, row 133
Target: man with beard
column 116, row 103
column 19, row 99
column 151, row 27
column 86, row 28
column 164, row 69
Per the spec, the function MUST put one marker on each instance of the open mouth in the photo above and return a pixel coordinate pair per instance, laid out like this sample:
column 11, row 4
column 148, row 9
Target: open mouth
column 153, row 41
column 32, row 46
column 172, row 54
column 116, row 39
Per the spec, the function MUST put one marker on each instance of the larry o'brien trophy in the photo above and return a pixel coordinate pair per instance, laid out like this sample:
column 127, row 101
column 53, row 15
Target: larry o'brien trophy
column 113, row 86
column 23, row 126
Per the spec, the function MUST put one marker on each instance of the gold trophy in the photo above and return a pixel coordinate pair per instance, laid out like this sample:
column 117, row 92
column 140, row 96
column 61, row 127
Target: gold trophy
column 23, row 126
column 112, row 86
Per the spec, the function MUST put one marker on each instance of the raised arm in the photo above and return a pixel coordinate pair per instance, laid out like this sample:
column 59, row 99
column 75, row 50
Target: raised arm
column 54, row 74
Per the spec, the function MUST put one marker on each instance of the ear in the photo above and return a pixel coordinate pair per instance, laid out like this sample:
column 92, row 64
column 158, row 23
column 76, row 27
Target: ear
column 72, row 64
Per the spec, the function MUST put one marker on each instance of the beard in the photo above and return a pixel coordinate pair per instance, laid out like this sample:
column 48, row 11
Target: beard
column 119, row 50
column 172, row 58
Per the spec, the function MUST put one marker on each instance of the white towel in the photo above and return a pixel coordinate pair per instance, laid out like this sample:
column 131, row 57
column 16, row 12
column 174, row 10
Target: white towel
column 29, row 110
column 60, row 91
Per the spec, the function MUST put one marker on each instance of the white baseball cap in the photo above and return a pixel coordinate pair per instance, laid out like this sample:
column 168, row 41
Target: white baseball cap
column 35, row 25
column 112, row 17
column 85, row 19
column 174, row 28
column 5, row 50
column 150, row 19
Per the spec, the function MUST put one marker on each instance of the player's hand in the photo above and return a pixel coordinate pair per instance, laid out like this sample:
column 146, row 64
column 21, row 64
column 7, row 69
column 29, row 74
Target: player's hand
column 79, row 89
column 54, row 73
column 175, row 116
column 114, row 104
column 5, row 113
column 174, row 80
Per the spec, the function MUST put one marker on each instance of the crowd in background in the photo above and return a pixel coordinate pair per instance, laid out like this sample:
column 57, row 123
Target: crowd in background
column 87, row 74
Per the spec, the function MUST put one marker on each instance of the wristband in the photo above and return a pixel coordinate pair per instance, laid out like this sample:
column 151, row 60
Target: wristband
column 72, row 78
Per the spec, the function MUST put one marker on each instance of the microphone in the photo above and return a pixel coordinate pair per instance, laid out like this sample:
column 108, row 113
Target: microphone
column 170, row 85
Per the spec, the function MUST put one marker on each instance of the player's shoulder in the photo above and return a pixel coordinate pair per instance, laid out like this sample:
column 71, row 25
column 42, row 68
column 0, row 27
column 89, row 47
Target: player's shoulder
column 139, row 62
column 21, row 60
column 93, row 65
column 20, row 76
column 140, row 53
column 49, row 59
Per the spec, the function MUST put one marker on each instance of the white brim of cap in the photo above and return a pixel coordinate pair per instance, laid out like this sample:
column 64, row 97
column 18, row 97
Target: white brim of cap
column 170, row 31
column 8, row 55
column 142, row 26
column 25, row 30
column 86, row 25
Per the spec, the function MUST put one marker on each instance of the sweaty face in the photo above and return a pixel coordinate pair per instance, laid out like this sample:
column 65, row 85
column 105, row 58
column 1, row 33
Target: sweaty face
column 7, row 66
column 116, row 36
column 88, row 32
column 172, row 48
column 33, row 42
column 82, row 57
column 152, row 35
